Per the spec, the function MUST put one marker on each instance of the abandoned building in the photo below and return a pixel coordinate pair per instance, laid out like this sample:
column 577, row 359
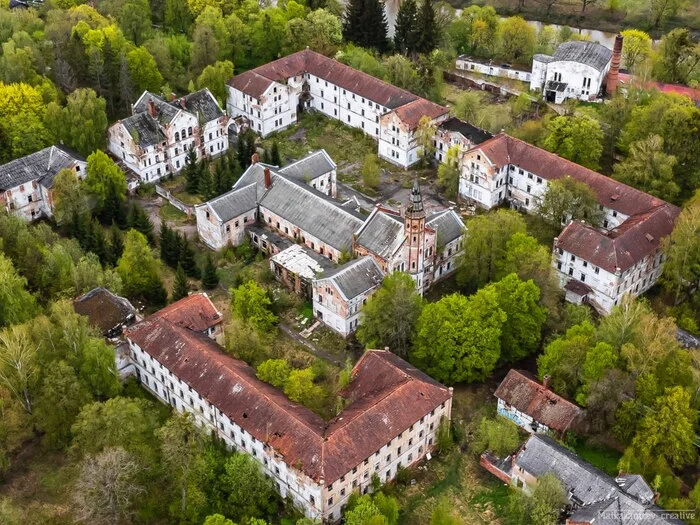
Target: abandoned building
column 594, row 497
column 456, row 132
column 391, row 420
column 26, row 183
column 272, row 96
column 275, row 210
column 155, row 140
column 534, row 407
column 197, row 313
column 485, row 66
column 597, row 265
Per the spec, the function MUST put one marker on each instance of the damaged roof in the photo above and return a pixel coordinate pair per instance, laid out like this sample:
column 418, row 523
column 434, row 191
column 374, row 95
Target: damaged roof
column 472, row 133
column 355, row 277
column 324, row 452
column 195, row 312
column 621, row 248
column 42, row 165
column 544, row 406
column 165, row 112
column 302, row 261
column 447, row 224
column 201, row 104
column 104, row 309
column 144, row 129
column 310, row 167
column 382, row 233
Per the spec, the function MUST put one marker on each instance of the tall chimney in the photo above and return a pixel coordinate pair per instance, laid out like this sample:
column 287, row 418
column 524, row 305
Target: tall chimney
column 545, row 381
column 614, row 71
column 268, row 178
column 152, row 108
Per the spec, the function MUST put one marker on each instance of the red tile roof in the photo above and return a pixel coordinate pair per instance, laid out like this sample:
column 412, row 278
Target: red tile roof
column 504, row 149
column 387, row 395
column 692, row 93
column 412, row 112
column 256, row 81
column 637, row 237
column 195, row 312
column 544, row 406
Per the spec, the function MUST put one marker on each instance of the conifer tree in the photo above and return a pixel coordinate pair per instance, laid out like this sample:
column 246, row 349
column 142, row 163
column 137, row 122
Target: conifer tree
column 206, row 184
column 275, row 157
column 187, row 258
column 242, row 152
column 116, row 245
column 427, row 28
column 210, row 278
column 266, row 156
column 114, row 209
column 192, row 171
column 406, row 28
column 250, row 146
column 96, row 241
column 166, row 245
column 181, row 285
column 139, row 221
column 366, row 25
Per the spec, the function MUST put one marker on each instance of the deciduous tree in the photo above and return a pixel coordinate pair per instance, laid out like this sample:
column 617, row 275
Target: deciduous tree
column 563, row 358
column 682, row 249
column 636, row 48
column 389, row 318
column 649, row 169
column 579, row 139
column 104, row 179
column 81, row 124
column 499, row 436
column 274, row 371
column 17, row 305
column 140, row 270
column 214, row 78
column 18, row 364
column 370, row 171
column 517, row 39
column 448, row 173
column 568, row 199
column 300, row 387
column 458, row 338
column 251, row 304
column 247, row 492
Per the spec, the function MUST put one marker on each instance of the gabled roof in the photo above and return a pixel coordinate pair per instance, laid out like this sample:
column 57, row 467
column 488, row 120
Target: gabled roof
column 104, row 309
column 472, row 133
column 195, row 312
column 144, row 129
column 256, row 81
column 540, row 403
column 165, row 113
column 621, row 248
column 200, row 103
column 447, row 224
column 382, row 233
column 589, row 53
column 42, row 165
column 503, row 149
column 313, row 165
column 233, row 203
column 599, row 498
column 411, row 113
column 303, row 206
column 376, row 414
column 355, row 277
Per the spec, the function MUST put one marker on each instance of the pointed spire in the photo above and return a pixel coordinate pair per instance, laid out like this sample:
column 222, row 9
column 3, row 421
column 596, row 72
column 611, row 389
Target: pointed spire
column 415, row 207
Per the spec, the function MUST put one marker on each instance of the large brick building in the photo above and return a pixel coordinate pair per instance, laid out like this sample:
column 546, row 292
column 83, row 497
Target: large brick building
column 391, row 419
column 271, row 97
column 595, row 264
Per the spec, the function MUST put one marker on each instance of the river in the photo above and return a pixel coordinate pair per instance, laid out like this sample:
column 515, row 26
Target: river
column 391, row 7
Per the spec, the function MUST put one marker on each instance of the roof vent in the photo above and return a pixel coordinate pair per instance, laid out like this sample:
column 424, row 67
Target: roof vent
column 649, row 237
column 614, row 197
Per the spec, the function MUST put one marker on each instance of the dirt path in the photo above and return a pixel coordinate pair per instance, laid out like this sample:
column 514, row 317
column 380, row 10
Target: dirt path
column 292, row 334
column 152, row 207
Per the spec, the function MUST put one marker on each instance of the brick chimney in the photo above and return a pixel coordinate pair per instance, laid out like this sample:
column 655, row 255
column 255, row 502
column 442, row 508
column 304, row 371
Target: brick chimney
column 268, row 179
column 545, row 381
column 152, row 110
column 255, row 158
column 614, row 71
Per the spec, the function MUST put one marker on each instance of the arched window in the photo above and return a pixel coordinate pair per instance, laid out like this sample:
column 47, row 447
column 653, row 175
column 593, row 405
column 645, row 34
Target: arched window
column 189, row 131
column 177, row 136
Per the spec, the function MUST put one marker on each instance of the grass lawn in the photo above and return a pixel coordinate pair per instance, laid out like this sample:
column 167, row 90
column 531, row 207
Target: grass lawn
column 170, row 213
column 343, row 143
column 604, row 458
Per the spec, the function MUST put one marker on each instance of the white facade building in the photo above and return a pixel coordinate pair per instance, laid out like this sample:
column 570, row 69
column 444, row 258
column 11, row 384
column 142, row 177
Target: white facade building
column 317, row 464
column 271, row 97
column 492, row 69
column 576, row 70
column 505, row 169
column 155, row 140
column 26, row 183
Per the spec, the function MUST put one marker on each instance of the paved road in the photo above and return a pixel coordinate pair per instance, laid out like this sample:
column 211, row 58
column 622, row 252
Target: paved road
column 294, row 335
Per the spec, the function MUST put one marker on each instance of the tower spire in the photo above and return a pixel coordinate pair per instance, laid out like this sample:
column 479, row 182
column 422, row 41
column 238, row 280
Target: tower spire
column 415, row 207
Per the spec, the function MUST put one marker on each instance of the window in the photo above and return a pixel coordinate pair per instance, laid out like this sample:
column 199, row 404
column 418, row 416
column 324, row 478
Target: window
column 342, row 492
column 330, row 501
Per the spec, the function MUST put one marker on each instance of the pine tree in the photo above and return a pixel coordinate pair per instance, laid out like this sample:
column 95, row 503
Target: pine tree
column 116, row 245
column 242, row 152
column 155, row 293
column 427, row 28
column 97, row 241
column 210, row 279
column 139, row 221
column 192, row 171
column 406, row 28
column 187, row 258
column 181, row 286
column 275, row 157
column 114, row 209
column 206, row 184
column 266, row 156
column 366, row 25
column 166, row 243
column 250, row 146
